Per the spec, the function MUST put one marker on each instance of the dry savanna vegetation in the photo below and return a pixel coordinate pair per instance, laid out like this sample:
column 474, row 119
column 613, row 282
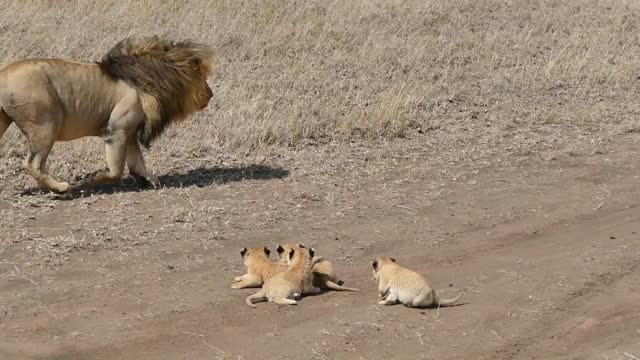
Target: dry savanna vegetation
column 492, row 144
column 520, row 76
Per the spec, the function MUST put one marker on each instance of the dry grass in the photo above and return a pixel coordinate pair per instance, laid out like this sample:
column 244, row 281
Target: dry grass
column 472, row 77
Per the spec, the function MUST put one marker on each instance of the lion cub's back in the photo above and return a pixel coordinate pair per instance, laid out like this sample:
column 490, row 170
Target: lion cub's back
column 270, row 269
column 281, row 286
column 409, row 284
column 325, row 268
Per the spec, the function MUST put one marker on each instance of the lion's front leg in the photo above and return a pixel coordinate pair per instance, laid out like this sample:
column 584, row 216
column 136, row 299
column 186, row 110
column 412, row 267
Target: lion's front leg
column 137, row 168
column 383, row 290
column 115, row 149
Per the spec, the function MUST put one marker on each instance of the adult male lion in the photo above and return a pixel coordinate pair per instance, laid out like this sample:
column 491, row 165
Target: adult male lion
column 127, row 98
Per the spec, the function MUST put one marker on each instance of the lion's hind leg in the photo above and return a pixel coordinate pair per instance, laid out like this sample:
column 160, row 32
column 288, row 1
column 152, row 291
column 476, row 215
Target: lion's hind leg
column 40, row 140
column 38, row 112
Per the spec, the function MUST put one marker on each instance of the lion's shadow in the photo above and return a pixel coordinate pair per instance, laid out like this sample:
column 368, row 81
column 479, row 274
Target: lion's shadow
column 199, row 177
column 202, row 177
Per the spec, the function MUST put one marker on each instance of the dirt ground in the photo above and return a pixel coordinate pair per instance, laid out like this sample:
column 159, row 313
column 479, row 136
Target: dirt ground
column 547, row 250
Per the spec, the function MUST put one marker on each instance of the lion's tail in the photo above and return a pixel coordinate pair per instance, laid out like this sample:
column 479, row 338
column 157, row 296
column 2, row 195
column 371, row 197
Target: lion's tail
column 5, row 121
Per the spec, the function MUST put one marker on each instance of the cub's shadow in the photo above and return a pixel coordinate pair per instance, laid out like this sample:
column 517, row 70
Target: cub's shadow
column 199, row 177
column 430, row 307
column 436, row 306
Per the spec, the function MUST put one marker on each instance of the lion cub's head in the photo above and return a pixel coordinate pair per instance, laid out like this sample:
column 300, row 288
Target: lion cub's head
column 284, row 252
column 255, row 252
column 380, row 263
column 293, row 254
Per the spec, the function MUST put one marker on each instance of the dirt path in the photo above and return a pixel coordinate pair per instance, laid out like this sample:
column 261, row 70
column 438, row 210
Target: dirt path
column 549, row 254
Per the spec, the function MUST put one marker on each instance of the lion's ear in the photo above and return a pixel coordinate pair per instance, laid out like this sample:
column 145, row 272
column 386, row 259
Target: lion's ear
column 195, row 62
column 291, row 252
column 392, row 259
column 201, row 66
column 301, row 245
column 312, row 252
column 267, row 251
column 280, row 249
column 374, row 263
column 243, row 252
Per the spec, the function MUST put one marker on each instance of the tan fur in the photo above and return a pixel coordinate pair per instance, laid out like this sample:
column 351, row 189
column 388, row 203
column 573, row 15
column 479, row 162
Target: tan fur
column 128, row 98
column 287, row 286
column 398, row 284
column 324, row 275
column 259, row 268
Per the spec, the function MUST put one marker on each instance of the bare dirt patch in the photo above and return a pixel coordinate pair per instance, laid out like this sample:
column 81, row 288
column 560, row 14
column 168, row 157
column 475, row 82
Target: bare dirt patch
column 548, row 253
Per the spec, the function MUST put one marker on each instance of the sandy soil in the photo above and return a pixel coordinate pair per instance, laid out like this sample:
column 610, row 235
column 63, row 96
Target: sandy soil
column 548, row 251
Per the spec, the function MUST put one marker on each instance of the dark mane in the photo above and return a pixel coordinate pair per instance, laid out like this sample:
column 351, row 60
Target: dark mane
column 164, row 72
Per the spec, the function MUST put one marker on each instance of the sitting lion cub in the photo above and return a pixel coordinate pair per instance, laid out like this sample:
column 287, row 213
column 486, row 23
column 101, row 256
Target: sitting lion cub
column 324, row 276
column 398, row 284
column 288, row 285
column 259, row 267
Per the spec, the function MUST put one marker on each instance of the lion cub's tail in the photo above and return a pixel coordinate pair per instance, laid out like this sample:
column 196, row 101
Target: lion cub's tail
column 5, row 121
column 445, row 302
column 334, row 286
column 259, row 296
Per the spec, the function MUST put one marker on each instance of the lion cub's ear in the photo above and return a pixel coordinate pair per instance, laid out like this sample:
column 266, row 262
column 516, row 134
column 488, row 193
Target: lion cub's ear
column 243, row 252
column 291, row 252
column 392, row 259
column 374, row 263
column 312, row 252
column 301, row 245
column 280, row 249
column 267, row 251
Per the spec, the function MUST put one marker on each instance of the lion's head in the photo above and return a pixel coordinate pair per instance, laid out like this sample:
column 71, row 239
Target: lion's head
column 171, row 78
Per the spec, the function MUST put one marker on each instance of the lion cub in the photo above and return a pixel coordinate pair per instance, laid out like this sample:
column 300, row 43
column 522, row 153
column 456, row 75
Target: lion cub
column 324, row 276
column 259, row 267
column 398, row 284
column 284, row 287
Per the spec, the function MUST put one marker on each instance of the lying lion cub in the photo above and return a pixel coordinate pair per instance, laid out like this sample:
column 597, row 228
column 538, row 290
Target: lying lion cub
column 324, row 276
column 288, row 285
column 398, row 284
column 259, row 267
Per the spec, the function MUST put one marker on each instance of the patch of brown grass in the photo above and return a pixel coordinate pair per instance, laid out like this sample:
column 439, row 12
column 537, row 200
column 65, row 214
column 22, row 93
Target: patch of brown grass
column 482, row 77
